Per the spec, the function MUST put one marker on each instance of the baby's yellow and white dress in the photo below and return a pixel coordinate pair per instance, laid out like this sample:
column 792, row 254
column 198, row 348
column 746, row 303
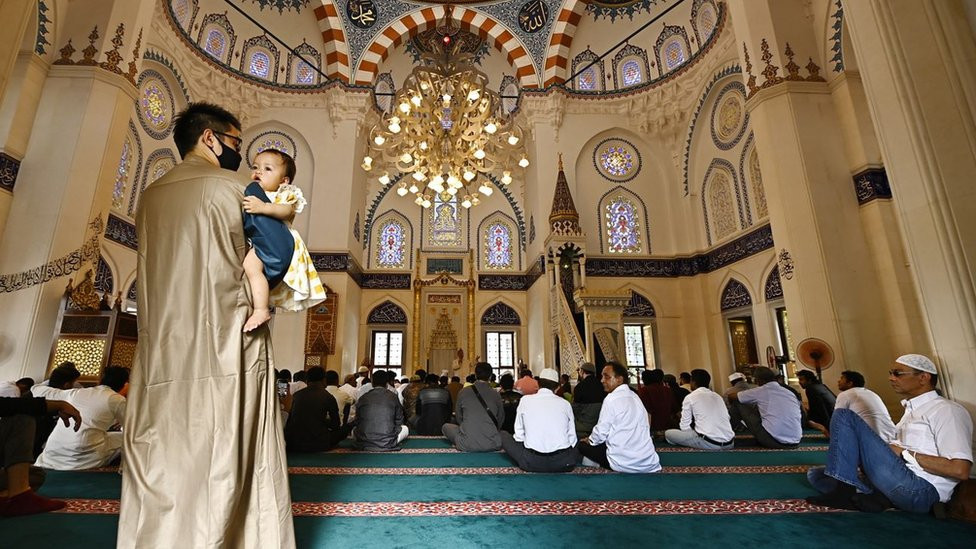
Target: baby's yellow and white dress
column 301, row 288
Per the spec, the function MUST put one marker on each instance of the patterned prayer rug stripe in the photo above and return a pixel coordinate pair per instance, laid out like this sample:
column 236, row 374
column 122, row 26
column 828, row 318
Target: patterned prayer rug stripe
column 412, row 471
column 509, row 508
column 659, row 449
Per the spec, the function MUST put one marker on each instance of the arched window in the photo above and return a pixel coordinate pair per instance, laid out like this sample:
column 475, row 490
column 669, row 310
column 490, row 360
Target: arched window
column 260, row 64
column 510, row 92
column 622, row 226
column 631, row 71
column 216, row 44
column 181, row 9
column 384, row 90
column 302, row 67
column 721, row 206
column 672, row 48
column 735, row 295
column 498, row 246
column 391, row 245
column 706, row 20
column 586, row 81
column 674, row 54
column 122, row 174
column 590, row 79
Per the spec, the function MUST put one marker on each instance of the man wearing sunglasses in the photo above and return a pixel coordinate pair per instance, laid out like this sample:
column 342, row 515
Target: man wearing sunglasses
column 929, row 455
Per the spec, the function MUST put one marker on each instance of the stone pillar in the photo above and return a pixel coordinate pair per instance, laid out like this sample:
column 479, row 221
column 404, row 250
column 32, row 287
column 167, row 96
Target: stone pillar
column 918, row 63
column 829, row 281
column 68, row 172
column 16, row 16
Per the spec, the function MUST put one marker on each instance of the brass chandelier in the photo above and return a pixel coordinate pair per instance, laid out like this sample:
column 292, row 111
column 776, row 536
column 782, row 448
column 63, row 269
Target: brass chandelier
column 447, row 130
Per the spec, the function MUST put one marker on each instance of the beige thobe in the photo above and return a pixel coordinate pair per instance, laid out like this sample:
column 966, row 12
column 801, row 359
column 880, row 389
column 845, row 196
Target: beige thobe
column 203, row 455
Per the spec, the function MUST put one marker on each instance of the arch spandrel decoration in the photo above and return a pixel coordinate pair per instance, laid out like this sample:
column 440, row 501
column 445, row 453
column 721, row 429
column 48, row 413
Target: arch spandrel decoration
column 387, row 313
column 500, row 314
column 104, row 282
column 774, row 286
column 639, row 307
column 735, row 295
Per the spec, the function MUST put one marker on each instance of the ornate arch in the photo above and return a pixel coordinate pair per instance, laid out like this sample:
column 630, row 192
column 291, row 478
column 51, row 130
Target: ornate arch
column 387, row 313
column 735, row 295
column 334, row 37
column 639, row 307
column 627, row 54
column 586, row 57
column 483, row 241
column 731, row 69
column 252, row 48
column 699, row 10
column 160, row 160
column 467, row 19
column 217, row 21
column 295, row 74
column 640, row 213
column 672, row 34
column 392, row 216
column 751, row 176
column 500, row 314
column 561, row 41
column 104, row 281
column 774, row 286
column 720, row 166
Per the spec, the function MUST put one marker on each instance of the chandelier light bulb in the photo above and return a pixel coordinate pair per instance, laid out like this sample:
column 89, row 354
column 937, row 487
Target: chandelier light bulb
column 474, row 200
column 452, row 191
column 524, row 162
column 474, row 95
column 394, row 127
column 468, row 175
column 436, row 187
column 446, row 97
column 424, row 86
column 385, row 179
column 405, row 107
column 479, row 154
column 506, row 177
column 419, row 200
column 379, row 140
column 367, row 163
column 423, row 145
column 485, row 189
column 425, row 203
column 415, row 100
column 413, row 188
column 491, row 128
column 419, row 176
column 453, row 181
column 406, row 158
column 402, row 190
column 513, row 140
column 438, row 179
column 466, row 202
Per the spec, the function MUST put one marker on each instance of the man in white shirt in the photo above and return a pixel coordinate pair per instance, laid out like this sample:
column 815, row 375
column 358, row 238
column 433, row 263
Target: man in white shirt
column 776, row 421
column 545, row 430
column 343, row 398
column 92, row 446
column 349, row 387
column 704, row 418
column 621, row 439
column 920, row 466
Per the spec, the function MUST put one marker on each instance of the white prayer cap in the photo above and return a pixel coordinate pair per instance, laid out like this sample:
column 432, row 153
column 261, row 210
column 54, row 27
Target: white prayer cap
column 550, row 374
column 918, row 362
column 736, row 377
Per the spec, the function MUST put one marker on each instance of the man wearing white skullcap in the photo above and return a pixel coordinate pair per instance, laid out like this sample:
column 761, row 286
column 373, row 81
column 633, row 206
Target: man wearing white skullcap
column 930, row 454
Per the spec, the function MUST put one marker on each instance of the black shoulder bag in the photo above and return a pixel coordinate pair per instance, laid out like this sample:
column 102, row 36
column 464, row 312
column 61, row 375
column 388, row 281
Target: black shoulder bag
column 481, row 399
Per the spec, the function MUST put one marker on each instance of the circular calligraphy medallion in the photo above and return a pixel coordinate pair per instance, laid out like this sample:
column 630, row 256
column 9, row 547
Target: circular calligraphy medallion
column 617, row 160
column 533, row 16
column 362, row 13
column 155, row 104
column 729, row 117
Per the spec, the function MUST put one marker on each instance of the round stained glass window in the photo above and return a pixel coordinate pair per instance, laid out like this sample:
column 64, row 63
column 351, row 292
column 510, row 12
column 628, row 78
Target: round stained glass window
column 155, row 104
column 617, row 160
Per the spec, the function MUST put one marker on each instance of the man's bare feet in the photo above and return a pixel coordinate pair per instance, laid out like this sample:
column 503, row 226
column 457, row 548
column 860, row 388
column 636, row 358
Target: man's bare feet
column 257, row 318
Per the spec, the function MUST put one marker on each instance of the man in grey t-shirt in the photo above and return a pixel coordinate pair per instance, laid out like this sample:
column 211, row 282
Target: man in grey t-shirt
column 477, row 431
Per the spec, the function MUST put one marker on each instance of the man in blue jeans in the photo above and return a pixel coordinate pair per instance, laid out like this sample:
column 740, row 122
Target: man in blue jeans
column 929, row 455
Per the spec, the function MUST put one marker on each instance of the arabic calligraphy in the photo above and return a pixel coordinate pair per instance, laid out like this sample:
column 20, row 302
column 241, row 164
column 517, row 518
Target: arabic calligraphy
column 361, row 13
column 533, row 16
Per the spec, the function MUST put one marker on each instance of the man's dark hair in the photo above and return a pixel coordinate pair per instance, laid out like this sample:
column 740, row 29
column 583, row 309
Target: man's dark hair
column 855, row 378
column 646, row 377
column 391, row 378
column 482, row 371
column 807, row 375
column 525, row 373
column 701, row 378
column 64, row 375
column 443, row 381
column 287, row 160
column 934, row 380
column 332, row 377
column 619, row 370
column 685, row 377
column 379, row 378
column 284, row 375
column 115, row 377
column 548, row 384
column 404, row 380
column 25, row 382
column 455, row 379
column 470, row 378
column 316, row 374
column 299, row 376
column 670, row 381
column 421, row 373
column 189, row 124
column 433, row 379
column 763, row 375
column 493, row 377
column 507, row 382
column 657, row 376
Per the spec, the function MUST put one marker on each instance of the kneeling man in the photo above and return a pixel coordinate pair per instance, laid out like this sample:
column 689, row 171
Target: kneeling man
column 545, row 430
column 929, row 455
column 704, row 418
column 621, row 439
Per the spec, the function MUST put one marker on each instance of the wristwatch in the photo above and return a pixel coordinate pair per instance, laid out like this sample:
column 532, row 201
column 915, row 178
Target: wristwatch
column 909, row 457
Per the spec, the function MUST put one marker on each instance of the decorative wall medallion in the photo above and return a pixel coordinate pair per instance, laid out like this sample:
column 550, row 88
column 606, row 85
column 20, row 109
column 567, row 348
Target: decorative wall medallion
column 155, row 104
column 9, row 167
column 617, row 160
column 729, row 117
column 871, row 184
column 362, row 13
column 271, row 140
column 533, row 16
column 786, row 264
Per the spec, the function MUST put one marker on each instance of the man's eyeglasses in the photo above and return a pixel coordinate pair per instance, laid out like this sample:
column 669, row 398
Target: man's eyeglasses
column 237, row 140
column 899, row 373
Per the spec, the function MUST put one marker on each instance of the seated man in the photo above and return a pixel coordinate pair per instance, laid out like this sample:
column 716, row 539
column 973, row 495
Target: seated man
column 510, row 401
column 16, row 389
column 621, row 439
column 545, row 431
column 656, row 397
column 17, row 415
column 929, row 455
column 313, row 422
column 775, row 422
column 102, row 408
column 588, row 397
column 409, row 395
column 820, row 400
column 63, row 377
column 433, row 408
column 526, row 384
column 479, row 413
column 704, row 418
column 344, row 401
column 379, row 418
column 739, row 383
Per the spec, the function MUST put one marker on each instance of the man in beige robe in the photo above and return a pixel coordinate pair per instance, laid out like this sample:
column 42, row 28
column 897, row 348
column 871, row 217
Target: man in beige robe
column 204, row 458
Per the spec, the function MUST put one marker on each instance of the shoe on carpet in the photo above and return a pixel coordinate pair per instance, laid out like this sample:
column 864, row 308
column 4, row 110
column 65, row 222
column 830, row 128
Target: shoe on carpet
column 587, row 462
column 29, row 503
column 839, row 498
column 875, row 502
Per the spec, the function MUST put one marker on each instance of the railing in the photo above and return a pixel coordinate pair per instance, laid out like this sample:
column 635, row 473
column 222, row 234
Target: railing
column 571, row 352
column 607, row 343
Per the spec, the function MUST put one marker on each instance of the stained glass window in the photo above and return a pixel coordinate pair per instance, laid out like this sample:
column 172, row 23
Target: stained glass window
column 634, row 342
column 215, row 44
column 617, row 160
column 391, row 248
column 631, row 70
column 498, row 246
column 623, row 226
column 706, row 21
column 122, row 175
column 260, row 64
column 445, row 222
column 304, row 74
column 674, row 54
column 181, row 9
column 587, row 79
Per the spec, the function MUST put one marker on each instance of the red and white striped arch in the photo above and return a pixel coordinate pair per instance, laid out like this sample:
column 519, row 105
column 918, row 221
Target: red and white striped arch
column 557, row 56
column 467, row 19
column 336, row 48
